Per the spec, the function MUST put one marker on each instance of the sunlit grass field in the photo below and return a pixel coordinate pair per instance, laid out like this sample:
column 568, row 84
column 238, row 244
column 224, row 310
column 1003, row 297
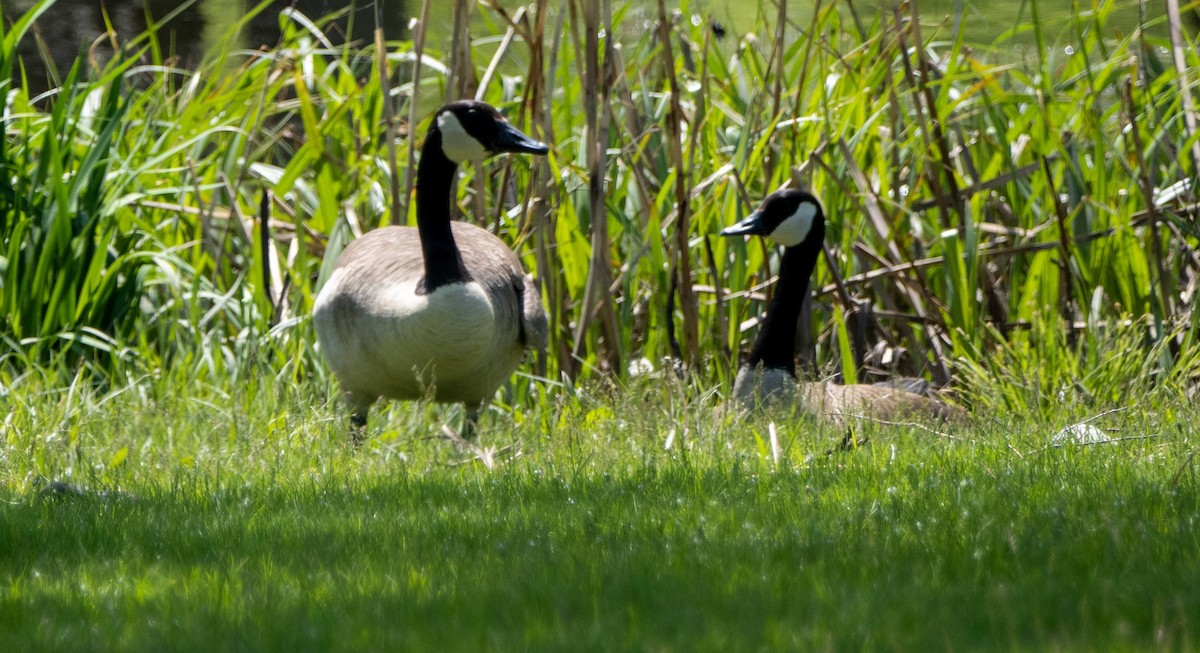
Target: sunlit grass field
column 175, row 467
column 626, row 521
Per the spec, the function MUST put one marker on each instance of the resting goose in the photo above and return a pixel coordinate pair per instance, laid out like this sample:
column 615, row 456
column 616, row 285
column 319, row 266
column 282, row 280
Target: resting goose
column 441, row 311
column 794, row 219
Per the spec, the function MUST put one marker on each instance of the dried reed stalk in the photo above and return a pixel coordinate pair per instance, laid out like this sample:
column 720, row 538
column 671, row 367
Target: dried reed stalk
column 682, row 263
column 410, row 172
column 1178, row 43
column 461, row 83
column 389, row 110
column 551, row 274
column 1146, row 185
column 597, row 300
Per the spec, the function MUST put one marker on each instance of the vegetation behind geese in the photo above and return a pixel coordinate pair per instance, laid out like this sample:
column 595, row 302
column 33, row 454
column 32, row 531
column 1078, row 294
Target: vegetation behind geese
column 1033, row 222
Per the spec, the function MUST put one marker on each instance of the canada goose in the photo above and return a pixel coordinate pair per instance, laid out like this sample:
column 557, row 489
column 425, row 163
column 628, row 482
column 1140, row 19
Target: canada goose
column 794, row 219
column 443, row 310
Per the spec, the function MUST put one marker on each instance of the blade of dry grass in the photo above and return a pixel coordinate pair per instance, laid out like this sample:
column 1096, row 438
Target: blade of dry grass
column 682, row 253
column 410, row 172
column 1178, row 45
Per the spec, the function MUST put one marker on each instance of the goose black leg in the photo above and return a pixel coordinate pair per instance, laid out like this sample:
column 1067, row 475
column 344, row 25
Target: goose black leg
column 471, row 427
column 358, row 427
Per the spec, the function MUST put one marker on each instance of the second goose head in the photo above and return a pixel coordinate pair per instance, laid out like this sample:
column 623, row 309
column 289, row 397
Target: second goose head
column 788, row 217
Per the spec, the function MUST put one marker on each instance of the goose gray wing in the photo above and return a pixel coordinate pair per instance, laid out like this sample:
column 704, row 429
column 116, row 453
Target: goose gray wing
column 841, row 401
column 534, row 326
column 514, row 294
column 911, row 384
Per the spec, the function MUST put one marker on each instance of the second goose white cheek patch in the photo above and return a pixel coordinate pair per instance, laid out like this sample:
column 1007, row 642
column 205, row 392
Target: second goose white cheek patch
column 795, row 228
column 457, row 144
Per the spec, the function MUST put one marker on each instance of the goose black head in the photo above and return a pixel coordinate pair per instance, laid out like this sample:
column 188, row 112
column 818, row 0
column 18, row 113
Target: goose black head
column 473, row 130
column 788, row 217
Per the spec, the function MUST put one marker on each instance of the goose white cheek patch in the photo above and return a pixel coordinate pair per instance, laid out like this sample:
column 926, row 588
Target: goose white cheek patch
column 457, row 144
column 794, row 229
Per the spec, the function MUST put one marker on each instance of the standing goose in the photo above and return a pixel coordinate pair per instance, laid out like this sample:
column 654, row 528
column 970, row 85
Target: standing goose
column 794, row 219
column 443, row 310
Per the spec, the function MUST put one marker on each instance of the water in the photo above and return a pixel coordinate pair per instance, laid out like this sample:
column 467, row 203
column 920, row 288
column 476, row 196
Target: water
column 74, row 26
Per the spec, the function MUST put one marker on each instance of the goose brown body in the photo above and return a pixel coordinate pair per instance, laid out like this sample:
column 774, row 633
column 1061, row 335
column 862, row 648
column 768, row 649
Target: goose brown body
column 756, row 387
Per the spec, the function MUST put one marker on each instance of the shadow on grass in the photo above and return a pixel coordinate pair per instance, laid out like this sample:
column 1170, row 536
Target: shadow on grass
column 836, row 555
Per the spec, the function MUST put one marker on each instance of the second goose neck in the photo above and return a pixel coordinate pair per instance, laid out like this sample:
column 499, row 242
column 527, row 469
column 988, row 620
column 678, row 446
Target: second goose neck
column 775, row 346
column 435, row 176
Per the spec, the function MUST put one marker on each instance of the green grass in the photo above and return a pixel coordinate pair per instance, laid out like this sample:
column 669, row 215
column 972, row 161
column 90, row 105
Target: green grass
column 254, row 526
column 155, row 351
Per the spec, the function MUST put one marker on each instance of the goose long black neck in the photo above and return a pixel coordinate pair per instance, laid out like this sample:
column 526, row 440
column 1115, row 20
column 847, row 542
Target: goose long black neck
column 435, row 175
column 776, row 344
